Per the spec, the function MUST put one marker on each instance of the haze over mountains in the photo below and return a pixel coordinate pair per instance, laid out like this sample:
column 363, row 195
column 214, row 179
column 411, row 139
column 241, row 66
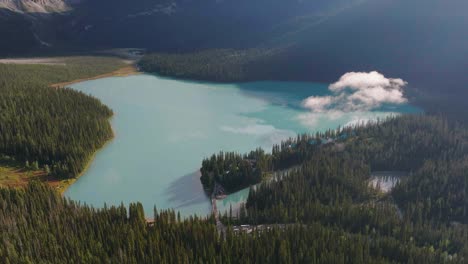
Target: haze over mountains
column 175, row 25
column 422, row 41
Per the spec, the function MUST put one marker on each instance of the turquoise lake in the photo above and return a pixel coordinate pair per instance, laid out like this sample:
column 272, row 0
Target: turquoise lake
column 165, row 127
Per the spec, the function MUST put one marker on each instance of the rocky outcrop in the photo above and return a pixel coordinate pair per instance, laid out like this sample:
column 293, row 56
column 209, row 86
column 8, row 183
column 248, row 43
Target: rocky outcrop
column 37, row 6
column 29, row 25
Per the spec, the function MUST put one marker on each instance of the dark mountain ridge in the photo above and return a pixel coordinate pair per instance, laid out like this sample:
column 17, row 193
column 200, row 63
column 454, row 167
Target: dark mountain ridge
column 423, row 42
column 163, row 25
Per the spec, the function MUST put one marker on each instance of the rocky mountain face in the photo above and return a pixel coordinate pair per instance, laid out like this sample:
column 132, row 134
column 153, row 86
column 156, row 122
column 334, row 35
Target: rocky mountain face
column 161, row 25
column 323, row 38
column 185, row 25
column 36, row 6
column 29, row 25
column 164, row 24
column 421, row 41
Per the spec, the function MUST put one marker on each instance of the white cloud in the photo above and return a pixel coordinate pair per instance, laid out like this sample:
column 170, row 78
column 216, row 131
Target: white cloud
column 353, row 96
column 359, row 91
column 319, row 103
column 361, row 80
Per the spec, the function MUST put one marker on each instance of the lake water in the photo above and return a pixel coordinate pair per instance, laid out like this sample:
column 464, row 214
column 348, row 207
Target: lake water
column 165, row 127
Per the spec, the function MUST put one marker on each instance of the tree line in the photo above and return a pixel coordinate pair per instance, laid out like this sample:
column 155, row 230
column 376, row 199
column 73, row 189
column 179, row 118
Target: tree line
column 427, row 208
column 39, row 226
column 219, row 65
column 57, row 130
column 233, row 170
column 332, row 214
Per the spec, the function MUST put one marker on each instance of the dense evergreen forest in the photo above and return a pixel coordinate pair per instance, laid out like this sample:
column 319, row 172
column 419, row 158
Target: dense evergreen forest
column 221, row 65
column 225, row 65
column 56, row 130
column 234, row 171
column 38, row 226
column 313, row 191
column 321, row 211
column 418, row 145
column 426, row 208
column 408, row 143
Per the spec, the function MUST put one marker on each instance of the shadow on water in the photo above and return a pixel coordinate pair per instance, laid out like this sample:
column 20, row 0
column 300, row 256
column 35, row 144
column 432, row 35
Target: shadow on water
column 292, row 94
column 187, row 190
column 286, row 94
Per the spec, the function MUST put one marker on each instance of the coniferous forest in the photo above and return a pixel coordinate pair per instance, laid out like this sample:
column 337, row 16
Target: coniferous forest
column 335, row 176
column 55, row 129
column 234, row 171
column 311, row 200
column 221, row 65
column 389, row 191
column 38, row 226
column 322, row 211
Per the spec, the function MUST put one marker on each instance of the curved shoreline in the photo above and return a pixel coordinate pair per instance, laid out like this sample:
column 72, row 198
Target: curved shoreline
column 122, row 72
column 127, row 68
column 65, row 184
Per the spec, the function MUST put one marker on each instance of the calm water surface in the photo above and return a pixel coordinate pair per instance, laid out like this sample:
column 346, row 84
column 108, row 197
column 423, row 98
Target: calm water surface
column 165, row 127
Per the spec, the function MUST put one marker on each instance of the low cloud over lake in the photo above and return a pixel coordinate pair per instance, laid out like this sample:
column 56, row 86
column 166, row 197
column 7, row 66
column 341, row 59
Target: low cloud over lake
column 354, row 95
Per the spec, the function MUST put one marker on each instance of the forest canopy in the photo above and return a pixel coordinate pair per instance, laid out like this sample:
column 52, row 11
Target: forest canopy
column 55, row 129
column 80, row 234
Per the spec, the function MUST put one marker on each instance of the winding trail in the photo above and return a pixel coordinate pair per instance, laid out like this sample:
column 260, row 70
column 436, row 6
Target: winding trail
column 219, row 225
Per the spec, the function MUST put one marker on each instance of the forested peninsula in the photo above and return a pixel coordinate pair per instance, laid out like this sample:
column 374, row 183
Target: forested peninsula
column 52, row 132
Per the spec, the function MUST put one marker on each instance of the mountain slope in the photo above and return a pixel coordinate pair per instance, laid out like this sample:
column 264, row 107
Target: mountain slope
column 16, row 33
column 423, row 42
column 35, row 6
column 166, row 25
column 28, row 26
column 180, row 25
column 390, row 35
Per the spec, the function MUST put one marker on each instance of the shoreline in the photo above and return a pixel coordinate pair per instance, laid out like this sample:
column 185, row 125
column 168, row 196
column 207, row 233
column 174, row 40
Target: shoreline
column 122, row 72
column 130, row 70
column 59, row 185
column 63, row 185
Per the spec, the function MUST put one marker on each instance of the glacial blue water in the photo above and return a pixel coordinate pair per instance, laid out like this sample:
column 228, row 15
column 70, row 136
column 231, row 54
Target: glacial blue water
column 165, row 127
